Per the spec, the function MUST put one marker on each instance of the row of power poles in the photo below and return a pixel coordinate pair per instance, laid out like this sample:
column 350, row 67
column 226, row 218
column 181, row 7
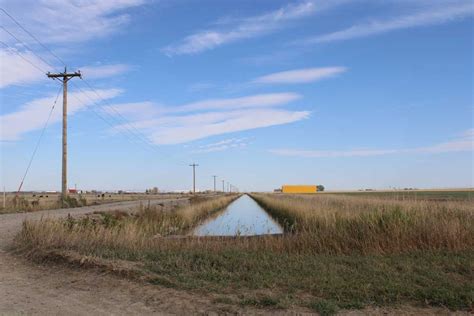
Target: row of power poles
column 230, row 187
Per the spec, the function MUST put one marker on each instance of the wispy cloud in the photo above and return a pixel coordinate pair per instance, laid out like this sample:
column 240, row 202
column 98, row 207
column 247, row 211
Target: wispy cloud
column 70, row 21
column 17, row 71
column 258, row 100
column 191, row 127
column 32, row 115
column 433, row 15
column 231, row 143
column 240, row 29
column 463, row 143
column 198, row 120
column 300, row 75
column 104, row 71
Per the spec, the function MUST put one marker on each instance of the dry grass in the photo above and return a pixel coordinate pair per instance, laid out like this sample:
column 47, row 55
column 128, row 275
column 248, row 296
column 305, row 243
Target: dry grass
column 345, row 224
column 32, row 202
column 339, row 252
column 114, row 231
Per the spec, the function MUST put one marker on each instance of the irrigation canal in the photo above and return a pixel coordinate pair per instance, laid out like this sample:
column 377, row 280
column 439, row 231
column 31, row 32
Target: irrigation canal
column 243, row 217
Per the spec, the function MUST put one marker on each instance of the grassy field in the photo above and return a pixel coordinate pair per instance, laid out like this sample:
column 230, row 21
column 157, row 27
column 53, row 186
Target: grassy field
column 433, row 195
column 30, row 202
column 339, row 252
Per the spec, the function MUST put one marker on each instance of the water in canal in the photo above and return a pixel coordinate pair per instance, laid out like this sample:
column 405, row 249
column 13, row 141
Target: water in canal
column 242, row 217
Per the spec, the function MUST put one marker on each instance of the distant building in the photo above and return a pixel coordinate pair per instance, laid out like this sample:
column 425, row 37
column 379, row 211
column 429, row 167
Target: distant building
column 299, row 188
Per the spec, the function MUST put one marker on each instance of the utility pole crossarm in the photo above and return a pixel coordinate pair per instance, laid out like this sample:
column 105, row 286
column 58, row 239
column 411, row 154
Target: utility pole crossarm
column 64, row 75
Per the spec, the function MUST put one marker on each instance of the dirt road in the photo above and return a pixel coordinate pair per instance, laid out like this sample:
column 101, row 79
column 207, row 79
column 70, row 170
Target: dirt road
column 27, row 288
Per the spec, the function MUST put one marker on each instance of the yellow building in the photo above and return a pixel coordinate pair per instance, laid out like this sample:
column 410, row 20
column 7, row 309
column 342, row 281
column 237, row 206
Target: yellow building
column 299, row 189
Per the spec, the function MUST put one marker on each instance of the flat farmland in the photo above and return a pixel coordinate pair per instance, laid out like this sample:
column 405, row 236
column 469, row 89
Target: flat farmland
column 339, row 252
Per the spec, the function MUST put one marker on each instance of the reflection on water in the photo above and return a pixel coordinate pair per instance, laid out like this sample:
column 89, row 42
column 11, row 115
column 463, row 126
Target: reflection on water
column 242, row 217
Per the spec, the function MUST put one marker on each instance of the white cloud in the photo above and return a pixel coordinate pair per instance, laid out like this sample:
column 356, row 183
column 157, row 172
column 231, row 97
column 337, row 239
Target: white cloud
column 181, row 128
column 32, row 115
column 464, row 143
column 190, row 127
column 17, row 71
column 104, row 71
column 258, row 100
column 231, row 143
column 434, row 15
column 240, row 29
column 58, row 21
column 301, row 75
column 170, row 125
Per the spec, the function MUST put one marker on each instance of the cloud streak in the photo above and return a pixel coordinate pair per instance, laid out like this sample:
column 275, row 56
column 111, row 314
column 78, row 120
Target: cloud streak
column 32, row 115
column 198, row 120
column 300, row 75
column 437, row 15
column 223, row 145
column 464, row 143
column 241, row 29
column 17, row 71
column 104, row 71
column 56, row 21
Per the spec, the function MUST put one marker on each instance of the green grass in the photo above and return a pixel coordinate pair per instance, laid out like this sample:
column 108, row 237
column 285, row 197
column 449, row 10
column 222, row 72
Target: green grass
column 324, row 282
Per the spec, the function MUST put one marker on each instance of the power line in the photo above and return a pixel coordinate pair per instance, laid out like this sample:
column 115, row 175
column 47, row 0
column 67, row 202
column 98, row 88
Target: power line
column 113, row 118
column 102, row 117
column 34, row 37
column 125, row 122
column 27, row 47
column 135, row 130
column 23, row 57
column 39, row 140
column 132, row 130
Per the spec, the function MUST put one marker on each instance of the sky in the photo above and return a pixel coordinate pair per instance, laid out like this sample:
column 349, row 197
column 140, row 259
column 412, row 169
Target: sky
column 350, row 94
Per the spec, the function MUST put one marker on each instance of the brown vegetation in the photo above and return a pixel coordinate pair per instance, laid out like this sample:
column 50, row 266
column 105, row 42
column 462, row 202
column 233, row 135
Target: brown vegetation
column 346, row 224
column 339, row 252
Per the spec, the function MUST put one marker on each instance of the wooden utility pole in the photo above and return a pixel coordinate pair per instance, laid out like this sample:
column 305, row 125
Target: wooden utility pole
column 194, row 176
column 214, row 183
column 64, row 77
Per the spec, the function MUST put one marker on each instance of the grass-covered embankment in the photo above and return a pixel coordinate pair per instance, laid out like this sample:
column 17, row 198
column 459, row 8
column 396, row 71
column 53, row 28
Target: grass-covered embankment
column 342, row 224
column 336, row 256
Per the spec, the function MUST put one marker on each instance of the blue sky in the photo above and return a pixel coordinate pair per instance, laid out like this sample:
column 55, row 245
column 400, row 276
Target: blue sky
column 348, row 94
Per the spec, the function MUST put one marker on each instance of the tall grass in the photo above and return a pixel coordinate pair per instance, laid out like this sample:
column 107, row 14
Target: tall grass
column 346, row 252
column 343, row 224
column 117, row 231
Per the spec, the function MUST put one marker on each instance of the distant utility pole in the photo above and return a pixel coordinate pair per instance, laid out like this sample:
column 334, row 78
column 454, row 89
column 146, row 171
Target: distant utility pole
column 223, row 189
column 214, row 183
column 64, row 77
column 194, row 176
